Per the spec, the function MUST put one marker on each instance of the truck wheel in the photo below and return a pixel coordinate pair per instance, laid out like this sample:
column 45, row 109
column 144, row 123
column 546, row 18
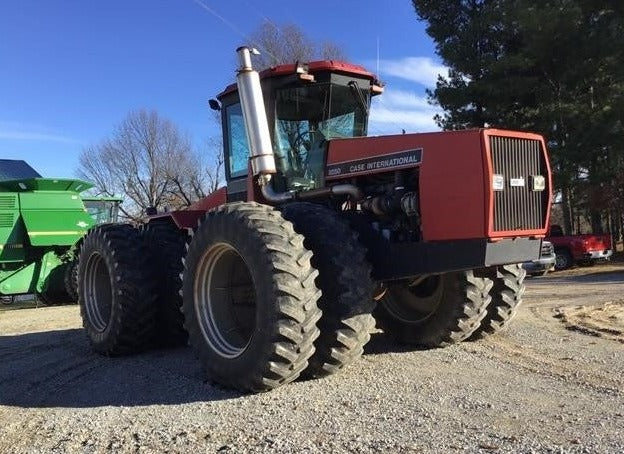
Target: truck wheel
column 250, row 302
column 436, row 311
column 344, row 279
column 563, row 259
column 115, row 290
column 506, row 294
column 166, row 244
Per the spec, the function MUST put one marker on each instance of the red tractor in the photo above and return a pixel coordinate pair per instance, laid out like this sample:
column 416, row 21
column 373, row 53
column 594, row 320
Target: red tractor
column 319, row 231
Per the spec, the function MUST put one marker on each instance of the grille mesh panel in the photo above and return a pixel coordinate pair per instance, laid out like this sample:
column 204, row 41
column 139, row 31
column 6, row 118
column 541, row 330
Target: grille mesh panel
column 7, row 202
column 518, row 207
column 6, row 219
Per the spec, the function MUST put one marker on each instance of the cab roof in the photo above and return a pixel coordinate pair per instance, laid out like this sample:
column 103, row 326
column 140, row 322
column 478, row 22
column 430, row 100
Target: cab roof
column 334, row 66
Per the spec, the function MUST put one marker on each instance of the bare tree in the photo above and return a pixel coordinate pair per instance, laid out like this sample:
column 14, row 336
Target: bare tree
column 288, row 43
column 150, row 163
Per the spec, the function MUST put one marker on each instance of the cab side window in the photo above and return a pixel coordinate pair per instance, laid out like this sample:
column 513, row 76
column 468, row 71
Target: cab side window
column 238, row 148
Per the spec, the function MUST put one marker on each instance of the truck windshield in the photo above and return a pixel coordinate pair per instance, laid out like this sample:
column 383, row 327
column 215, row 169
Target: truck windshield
column 305, row 116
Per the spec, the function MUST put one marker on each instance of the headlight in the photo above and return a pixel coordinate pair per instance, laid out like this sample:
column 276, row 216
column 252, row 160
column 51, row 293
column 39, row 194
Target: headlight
column 538, row 183
column 498, row 182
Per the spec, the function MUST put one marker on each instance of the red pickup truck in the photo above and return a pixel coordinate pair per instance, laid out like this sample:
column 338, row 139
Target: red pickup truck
column 585, row 249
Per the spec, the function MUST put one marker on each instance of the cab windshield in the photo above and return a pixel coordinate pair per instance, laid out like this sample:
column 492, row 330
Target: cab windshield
column 307, row 116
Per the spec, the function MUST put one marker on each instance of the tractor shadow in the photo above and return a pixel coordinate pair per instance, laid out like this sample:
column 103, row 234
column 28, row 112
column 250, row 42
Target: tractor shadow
column 381, row 343
column 59, row 369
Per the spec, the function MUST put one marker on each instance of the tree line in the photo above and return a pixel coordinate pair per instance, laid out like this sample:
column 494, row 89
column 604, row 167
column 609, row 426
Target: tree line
column 550, row 66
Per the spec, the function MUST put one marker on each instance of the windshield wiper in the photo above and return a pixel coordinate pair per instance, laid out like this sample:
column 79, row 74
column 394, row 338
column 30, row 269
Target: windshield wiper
column 358, row 95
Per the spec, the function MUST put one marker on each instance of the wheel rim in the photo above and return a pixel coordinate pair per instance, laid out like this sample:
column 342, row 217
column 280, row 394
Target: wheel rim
column 561, row 261
column 225, row 300
column 417, row 302
column 98, row 292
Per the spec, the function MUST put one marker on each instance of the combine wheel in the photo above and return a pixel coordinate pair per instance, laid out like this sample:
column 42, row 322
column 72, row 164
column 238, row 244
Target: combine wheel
column 434, row 311
column 250, row 302
column 166, row 244
column 70, row 279
column 115, row 290
column 506, row 294
column 344, row 279
column 55, row 293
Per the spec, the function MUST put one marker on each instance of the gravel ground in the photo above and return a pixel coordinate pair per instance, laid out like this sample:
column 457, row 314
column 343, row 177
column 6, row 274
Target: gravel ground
column 543, row 386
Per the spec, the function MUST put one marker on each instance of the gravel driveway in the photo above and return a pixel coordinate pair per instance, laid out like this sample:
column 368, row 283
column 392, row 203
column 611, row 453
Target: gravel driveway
column 544, row 386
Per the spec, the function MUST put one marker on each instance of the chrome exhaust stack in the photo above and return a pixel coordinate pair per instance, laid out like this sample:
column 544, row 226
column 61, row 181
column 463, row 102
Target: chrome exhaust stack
column 254, row 114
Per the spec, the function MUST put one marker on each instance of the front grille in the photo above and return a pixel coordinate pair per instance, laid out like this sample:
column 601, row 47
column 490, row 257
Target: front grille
column 518, row 207
column 7, row 202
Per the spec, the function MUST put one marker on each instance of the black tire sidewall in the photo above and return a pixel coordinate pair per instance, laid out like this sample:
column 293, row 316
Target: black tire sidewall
column 247, row 244
column 102, row 340
column 421, row 331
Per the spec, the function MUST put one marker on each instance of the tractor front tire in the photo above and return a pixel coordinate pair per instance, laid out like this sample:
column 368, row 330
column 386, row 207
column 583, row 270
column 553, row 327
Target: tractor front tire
column 506, row 294
column 437, row 311
column 115, row 290
column 346, row 286
column 166, row 244
column 250, row 301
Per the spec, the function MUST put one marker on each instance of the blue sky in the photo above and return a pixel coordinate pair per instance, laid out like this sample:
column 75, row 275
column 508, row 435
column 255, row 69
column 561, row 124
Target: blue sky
column 71, row 70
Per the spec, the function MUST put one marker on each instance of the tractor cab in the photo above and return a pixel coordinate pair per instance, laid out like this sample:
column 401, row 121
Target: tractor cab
column 103, row 210
column 306, row 106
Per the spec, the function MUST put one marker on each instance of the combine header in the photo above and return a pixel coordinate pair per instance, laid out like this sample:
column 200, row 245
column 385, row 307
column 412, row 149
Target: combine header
column 318, row 230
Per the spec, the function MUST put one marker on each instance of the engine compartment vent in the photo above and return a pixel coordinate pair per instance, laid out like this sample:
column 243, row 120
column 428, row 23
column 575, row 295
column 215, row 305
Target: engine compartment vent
column 517, row 205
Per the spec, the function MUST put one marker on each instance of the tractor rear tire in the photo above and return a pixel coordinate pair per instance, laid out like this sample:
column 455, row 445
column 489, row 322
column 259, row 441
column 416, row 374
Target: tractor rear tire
column 115, row 290
column 166, row 244
column 346, row 286
column 250, row 301
column 506, row 294
column 439, row 311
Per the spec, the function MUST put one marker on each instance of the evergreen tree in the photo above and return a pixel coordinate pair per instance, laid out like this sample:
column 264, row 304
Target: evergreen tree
column 554, row 67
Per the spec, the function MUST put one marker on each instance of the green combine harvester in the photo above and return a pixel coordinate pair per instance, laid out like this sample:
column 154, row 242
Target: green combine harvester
column 42, row 221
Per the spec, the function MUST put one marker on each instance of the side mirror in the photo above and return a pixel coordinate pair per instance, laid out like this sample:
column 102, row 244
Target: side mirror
column 214, row 104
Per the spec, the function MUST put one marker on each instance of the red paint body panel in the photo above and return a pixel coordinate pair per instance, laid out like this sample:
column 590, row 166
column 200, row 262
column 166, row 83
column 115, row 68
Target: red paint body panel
column 451, row 177
column 183, row 219
column 189, row 218
column 213, row 200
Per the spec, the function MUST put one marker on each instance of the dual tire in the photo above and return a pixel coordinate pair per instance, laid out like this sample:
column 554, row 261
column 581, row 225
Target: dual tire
column 116, row 291
column 250, row 299
column 435, row 311
column 442, row 310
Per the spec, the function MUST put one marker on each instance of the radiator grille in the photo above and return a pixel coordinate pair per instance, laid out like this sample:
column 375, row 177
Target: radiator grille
column 518, row 207
column 7, row 219
column 8, row 202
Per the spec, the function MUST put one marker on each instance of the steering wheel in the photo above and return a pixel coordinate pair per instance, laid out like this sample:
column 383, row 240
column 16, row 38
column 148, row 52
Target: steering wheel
column 300, row 139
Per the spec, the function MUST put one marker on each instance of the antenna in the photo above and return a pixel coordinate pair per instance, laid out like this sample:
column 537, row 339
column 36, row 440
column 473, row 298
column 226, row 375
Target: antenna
column 377, row 70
